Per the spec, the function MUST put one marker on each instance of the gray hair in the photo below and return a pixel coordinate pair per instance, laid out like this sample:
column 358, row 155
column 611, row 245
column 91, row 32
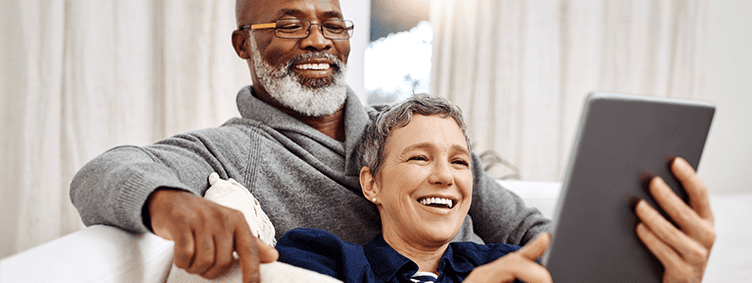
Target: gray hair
column 373, row 141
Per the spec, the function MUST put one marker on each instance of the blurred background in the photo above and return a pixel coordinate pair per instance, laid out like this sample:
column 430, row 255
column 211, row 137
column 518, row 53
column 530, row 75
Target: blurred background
column 80, row 77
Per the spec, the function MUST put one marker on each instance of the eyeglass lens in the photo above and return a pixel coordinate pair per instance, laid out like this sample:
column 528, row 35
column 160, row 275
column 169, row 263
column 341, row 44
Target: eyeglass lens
column 298, row 28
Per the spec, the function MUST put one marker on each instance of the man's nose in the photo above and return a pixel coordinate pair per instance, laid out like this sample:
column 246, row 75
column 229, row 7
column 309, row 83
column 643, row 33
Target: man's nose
column 316, row 39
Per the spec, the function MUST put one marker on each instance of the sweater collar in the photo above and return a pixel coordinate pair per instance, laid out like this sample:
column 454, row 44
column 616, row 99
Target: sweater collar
column 356, row 119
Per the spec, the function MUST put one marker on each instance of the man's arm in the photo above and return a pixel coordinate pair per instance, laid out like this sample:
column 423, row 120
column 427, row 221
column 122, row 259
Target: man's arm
column 683, row 251
column 165, row 181
column 499, row 215
column 113, row 188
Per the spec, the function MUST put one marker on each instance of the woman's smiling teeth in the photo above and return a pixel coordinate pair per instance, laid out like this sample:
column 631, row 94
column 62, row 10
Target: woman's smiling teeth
column 437, row 202
column 313, row 66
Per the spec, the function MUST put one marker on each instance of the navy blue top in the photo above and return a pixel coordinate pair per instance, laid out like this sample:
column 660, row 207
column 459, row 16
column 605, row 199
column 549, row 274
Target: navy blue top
column 325, row 253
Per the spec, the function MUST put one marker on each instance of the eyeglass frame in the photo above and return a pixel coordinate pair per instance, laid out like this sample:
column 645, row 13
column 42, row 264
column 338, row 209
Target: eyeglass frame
column 348, row 30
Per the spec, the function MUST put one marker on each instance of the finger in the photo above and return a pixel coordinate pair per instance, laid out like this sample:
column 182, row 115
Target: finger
column 535, row 249
column 669, row 235
column 184, row 250
column 203, row 260
column 267, row 253
column 530, row 271
column 696, row 190
column 674, row 206
column 248, row 254
column 508, row 268
column 223, row 258
column 665, row 254
column 684, row 216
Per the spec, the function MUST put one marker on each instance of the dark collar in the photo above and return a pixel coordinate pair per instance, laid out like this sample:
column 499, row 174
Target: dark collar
column 387, row 262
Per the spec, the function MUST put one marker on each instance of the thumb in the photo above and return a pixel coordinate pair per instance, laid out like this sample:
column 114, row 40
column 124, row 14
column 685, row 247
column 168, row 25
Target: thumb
column 535, row 249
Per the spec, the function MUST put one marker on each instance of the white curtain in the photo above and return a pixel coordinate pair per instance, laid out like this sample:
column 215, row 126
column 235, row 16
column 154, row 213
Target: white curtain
column 520, row 70
column 80, row 77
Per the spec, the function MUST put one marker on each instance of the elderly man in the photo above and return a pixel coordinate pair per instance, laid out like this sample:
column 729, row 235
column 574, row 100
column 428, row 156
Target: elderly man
column 293, row 149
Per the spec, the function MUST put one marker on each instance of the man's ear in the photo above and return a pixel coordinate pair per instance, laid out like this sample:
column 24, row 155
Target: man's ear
column 239, row 38
column 368, row 184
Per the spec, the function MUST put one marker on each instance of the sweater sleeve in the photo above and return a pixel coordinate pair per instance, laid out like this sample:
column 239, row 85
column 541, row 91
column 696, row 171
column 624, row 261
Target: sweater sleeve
column 499, row 215
column 112, row 189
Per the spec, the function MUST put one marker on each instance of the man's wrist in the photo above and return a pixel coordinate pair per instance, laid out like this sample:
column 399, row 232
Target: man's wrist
column 146, row 208
column 145, row 213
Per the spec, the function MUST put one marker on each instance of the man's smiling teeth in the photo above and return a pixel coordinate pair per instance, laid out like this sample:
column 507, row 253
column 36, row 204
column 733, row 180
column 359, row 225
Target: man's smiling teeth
column 437, row 201
column 312, row 66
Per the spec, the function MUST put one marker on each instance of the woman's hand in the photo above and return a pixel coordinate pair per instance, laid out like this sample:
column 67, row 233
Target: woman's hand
column 517, row 265
column 683, row 251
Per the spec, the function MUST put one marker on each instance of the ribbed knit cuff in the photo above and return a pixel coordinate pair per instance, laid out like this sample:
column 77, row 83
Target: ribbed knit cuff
column 135, row 190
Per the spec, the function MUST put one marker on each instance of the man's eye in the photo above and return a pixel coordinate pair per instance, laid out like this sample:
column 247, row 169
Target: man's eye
column 334, row 27
column 290, row 27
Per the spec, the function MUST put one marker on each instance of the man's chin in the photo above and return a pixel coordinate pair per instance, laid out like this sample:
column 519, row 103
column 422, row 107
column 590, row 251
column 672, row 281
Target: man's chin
column 314, row 83
column 309, row 97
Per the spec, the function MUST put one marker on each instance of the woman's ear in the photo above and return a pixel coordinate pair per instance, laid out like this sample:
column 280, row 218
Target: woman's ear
column 368, row 185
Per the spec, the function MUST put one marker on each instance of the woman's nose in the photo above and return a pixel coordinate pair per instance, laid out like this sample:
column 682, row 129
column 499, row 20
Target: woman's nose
column 441, row 174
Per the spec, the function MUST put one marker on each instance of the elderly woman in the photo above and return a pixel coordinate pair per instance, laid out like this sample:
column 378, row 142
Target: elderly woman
column 416, row 170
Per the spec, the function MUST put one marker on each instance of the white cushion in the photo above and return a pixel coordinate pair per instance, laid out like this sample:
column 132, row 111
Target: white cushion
column 275, row 272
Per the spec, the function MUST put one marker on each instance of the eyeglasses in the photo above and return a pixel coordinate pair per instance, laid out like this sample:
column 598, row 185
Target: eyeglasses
column 334, row 29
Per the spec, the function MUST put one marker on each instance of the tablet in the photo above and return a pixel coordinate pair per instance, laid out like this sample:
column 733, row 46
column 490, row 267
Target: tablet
column 622, row 141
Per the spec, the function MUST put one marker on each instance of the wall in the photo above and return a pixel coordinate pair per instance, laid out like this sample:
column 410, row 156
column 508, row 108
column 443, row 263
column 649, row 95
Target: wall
column 725, row 165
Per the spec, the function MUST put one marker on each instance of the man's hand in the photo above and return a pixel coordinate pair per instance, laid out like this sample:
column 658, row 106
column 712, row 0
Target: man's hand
column 206, row 234
column 517, row 265
column 683, row 251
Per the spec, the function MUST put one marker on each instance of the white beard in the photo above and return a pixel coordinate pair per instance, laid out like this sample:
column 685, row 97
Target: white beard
column 283, row 84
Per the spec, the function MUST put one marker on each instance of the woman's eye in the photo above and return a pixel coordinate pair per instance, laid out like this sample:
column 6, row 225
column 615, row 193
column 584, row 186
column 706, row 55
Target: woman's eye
column 418, row 158
column 461, row 162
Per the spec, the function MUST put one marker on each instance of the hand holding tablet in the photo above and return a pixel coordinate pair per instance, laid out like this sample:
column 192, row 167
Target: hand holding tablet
column 683, row 251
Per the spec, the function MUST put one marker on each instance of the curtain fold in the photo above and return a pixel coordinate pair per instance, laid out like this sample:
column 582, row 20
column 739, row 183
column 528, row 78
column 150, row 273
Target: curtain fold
column 82, row 76
column 520, row 70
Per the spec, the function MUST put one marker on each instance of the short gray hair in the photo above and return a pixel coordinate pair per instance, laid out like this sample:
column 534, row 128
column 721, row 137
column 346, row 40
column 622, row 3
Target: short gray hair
column 373, row 141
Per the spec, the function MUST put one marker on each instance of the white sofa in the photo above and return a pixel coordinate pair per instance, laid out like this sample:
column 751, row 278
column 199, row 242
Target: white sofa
column 105, row 254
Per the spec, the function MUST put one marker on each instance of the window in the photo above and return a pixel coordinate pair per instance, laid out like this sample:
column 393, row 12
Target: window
column 398, row 59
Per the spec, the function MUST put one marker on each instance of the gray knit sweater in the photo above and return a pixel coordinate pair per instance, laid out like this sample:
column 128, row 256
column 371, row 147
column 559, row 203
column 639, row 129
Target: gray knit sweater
column 301, row 177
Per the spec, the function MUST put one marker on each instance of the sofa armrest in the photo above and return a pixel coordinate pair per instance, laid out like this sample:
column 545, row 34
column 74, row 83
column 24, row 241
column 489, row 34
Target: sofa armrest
column 541, row 195
column 94, row 254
